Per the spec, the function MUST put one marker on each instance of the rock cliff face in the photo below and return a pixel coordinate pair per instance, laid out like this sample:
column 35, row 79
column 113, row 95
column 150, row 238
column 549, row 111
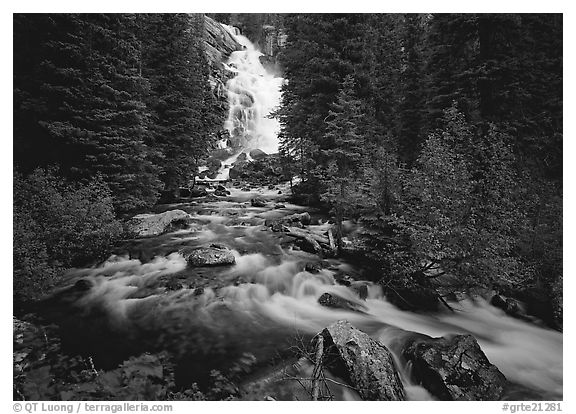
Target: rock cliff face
column 218, row 45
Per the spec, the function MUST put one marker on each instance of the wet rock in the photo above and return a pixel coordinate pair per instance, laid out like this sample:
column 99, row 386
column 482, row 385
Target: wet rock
column 365, row 363
column 83, row 285
column 293, row 220
column 221, row 193
column 236, row 171
column 343, row 279
column 313, row 267
column 512, row 307
column 278, row 206
column 146, row 225
column 303, row 218
column 330, row 300
column 360, row 288
column 258, row 202
column 308, row 244
column 257, row 154
column 198, row 291
column 454, row 368
column 174, row 285
column 198, row 192
column 242, row 157
column 271, row 187
column 215, row 255
column 279, row 192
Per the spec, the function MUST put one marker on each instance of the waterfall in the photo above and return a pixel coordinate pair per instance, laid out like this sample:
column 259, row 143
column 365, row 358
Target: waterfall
column 253, row 94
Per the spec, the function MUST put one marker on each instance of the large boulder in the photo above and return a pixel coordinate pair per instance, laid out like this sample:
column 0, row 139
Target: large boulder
column 237, row 171
column 257, row 154
column 214, row 255
column 454, row 368
column 367, row 364
column 146, row 225
column 293, row 220
column 258, row 202
column 308, row 244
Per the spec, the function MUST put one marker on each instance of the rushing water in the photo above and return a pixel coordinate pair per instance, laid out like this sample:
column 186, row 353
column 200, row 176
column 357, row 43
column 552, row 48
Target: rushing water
column 265, row 300
column 252, row 94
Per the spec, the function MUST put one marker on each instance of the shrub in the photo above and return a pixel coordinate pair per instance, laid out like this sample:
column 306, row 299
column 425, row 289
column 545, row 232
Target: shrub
column 58, row 225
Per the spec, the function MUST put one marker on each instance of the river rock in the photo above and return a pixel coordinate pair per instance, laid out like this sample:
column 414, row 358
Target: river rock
column 330, row 300
column 198, row 192
column 221, row 193
column 257, row 154
column 214, row 255
column 454, row 368
column 258, row 202
column 308, row 244
column 315, row 267
column 236, row 171
column 367, row 364
column 146, row 225
column 293, row 220
column 242, row 157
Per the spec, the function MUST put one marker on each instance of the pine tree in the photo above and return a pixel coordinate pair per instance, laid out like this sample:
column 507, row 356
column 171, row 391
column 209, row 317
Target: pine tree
column 345, row 155
column 87, row 101
column 183, row 120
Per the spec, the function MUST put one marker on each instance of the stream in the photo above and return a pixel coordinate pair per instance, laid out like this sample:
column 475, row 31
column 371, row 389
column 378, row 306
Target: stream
column 146, row 298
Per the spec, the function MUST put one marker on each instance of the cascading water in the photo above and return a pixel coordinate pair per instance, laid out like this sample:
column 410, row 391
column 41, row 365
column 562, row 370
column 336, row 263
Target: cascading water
column 266, row 299
column 253, row 94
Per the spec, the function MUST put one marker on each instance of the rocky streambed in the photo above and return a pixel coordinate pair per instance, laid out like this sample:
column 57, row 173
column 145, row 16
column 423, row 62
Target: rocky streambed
column 237, row 273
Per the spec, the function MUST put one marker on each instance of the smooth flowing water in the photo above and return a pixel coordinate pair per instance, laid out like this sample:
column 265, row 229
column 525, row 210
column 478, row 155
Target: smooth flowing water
column 265, row 300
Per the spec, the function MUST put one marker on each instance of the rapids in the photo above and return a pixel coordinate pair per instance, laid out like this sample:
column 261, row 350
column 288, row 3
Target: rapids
column 261, row 304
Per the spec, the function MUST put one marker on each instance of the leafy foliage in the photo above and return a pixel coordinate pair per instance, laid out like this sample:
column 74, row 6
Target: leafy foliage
column 43, row 372
column 461, row 136
column 58, row 225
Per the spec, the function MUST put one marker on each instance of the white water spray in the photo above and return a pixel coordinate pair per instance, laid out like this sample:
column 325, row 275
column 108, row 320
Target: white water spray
column 252, row 95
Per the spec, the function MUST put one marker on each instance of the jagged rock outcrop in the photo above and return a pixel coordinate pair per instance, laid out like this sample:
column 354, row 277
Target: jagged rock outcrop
column 218, row 45
column 367, row 364
column 454, row 368
column 147, row 225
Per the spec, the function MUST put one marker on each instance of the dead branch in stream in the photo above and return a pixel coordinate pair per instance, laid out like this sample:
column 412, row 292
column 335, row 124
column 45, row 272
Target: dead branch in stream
column 317, row 367
column 315, row 386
